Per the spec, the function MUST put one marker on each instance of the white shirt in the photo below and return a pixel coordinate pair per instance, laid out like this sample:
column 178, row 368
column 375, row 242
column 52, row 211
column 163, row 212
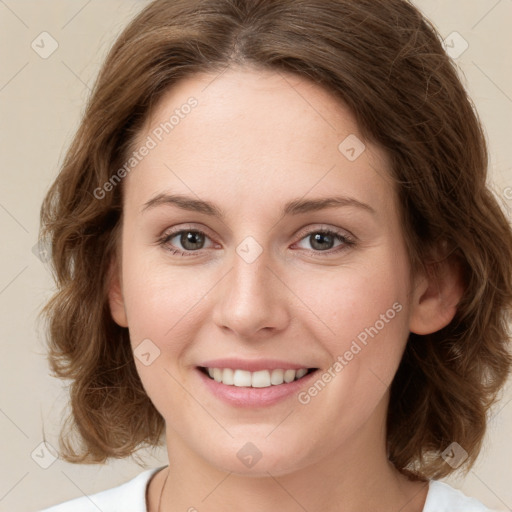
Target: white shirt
column 131, row 497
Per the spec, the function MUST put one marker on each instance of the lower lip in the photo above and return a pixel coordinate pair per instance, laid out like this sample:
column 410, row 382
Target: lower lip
column 255, row 397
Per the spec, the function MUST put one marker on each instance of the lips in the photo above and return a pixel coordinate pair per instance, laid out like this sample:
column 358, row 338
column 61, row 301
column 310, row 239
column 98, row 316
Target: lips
column 259, row 396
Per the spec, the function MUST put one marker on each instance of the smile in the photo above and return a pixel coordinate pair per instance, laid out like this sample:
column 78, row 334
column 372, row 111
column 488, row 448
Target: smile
column 257, row 379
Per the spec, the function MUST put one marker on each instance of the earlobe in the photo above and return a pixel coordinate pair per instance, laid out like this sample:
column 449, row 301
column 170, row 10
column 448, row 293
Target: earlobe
column 115, row 295
column 435, row 297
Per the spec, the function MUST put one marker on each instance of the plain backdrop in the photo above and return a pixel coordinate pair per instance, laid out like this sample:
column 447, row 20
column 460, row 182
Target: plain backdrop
column 41, row 99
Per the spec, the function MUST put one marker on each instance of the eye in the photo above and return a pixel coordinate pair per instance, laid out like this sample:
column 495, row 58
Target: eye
column 191, row 240
column 322, row 240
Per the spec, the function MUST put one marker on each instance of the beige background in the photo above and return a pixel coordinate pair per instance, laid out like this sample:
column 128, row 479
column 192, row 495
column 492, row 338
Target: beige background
column 41, row 100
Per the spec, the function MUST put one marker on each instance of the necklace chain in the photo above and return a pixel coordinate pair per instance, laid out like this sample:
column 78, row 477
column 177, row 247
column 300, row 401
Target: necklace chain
column 162, row 491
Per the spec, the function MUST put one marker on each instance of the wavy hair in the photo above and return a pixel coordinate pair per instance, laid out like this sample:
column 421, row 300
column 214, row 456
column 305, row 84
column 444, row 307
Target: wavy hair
column 386, row 62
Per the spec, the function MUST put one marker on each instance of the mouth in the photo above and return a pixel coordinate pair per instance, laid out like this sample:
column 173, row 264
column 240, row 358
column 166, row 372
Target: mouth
column 258, row 379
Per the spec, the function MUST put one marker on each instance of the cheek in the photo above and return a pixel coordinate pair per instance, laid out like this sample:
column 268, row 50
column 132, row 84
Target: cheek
column 161, row 318
column 157, row 297
column 364, row 330
column 349, row 300
column 361, row 318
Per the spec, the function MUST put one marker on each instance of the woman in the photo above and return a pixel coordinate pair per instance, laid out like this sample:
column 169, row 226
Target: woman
column 225, row 142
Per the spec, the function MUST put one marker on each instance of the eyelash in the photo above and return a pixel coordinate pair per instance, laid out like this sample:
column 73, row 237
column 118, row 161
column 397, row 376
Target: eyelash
column 347, row 241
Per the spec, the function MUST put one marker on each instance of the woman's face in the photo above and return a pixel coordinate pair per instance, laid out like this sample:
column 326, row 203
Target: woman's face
column 243, row 173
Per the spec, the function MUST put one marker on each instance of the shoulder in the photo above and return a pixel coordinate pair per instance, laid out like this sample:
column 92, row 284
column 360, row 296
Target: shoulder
column 129, row 496
column 442, row 497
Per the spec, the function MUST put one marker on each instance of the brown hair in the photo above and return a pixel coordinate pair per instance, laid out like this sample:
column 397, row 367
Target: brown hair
column 386, row 62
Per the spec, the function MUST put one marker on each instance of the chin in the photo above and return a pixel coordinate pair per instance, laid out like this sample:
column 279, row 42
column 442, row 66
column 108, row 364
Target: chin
column 255, row 460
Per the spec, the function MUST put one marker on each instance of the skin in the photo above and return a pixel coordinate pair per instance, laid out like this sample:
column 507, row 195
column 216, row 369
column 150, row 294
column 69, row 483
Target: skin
column 256, row 140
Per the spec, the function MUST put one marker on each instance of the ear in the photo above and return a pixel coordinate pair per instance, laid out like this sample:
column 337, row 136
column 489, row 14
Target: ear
column 115, row 294
column 435, row 296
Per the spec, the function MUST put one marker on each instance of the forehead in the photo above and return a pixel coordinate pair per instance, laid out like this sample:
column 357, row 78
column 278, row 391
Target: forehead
column 253, row 132
column 263, row 102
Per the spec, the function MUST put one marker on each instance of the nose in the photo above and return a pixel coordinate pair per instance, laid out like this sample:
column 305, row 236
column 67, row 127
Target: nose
column 252, row 300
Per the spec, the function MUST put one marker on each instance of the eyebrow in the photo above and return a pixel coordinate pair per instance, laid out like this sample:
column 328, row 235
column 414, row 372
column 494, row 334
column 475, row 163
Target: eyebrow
column 295, row 207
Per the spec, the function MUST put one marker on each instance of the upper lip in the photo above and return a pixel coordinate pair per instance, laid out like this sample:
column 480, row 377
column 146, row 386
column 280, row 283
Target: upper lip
column 253, row 365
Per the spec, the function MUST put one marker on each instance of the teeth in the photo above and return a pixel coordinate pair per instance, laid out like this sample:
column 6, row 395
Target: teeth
column 228, row 376
column 277, row 377
column 241, row 378
column 259, row 379
column 300, row 373
column 289, row 375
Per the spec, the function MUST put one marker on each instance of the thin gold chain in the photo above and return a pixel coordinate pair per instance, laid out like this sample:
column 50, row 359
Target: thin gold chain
column 162, row 491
